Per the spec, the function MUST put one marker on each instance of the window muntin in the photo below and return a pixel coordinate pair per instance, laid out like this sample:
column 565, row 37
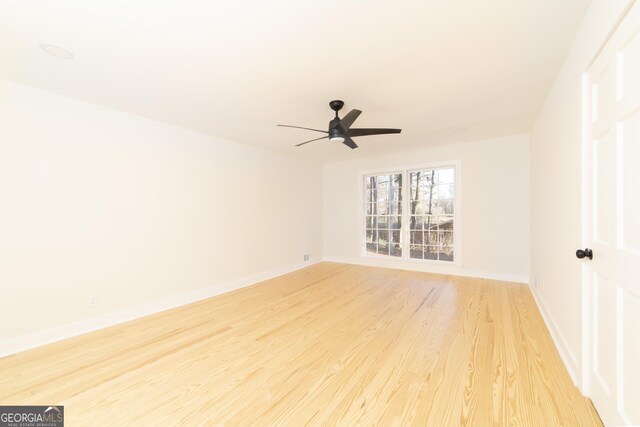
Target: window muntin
column 383, row 214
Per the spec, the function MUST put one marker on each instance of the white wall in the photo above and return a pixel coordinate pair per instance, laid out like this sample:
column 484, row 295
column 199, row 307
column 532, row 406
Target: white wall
column 96, row 201
column 556, row 188
column 495, row 206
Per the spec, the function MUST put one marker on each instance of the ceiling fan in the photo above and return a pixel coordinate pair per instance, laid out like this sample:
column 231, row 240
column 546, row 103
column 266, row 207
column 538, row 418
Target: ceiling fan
column 340, row 129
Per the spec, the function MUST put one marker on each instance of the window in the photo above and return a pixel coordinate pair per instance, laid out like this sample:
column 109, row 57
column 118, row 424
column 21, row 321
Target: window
column 383, row 220
column 431, row 218
column 419, row 216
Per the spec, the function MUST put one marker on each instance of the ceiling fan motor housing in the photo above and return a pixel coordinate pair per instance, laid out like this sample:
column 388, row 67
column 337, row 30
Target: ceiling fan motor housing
column 334, row 129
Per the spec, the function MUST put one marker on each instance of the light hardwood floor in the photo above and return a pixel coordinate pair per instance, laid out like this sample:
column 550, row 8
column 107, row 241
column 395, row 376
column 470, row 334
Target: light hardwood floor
column 332, row 344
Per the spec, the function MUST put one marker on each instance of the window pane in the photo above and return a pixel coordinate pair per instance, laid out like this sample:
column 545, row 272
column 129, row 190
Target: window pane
column 415, row 193
column 430, row 238
column 381, row 195
column 445, row 176
column 383, row 222
column 444, row 207
column 439, row 222
column 399, row 206
column 416, row 237
column 412, row 180
column 392, row 209
column 372, row 248
column 430, row 207
column 415, row 251
column 369, row 222
column 446, row 223
column 431, row 222
column 381, row 208
column 395, row 222
column 445, row 238
column 431, row 252
column 417, row 208
column 445, row 191
column 446, row 253
column 417, row 222
column 430, row 192
column 383, row 236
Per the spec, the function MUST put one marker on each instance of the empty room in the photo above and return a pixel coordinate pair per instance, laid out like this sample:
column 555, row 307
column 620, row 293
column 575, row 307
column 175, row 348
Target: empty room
column 291, row 213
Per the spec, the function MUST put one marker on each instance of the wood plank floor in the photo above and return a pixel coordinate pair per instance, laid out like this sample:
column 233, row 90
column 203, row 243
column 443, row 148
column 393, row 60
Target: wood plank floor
column 332, row 344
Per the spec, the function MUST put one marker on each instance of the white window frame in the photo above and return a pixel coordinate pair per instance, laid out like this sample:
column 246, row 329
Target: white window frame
column 405, row 232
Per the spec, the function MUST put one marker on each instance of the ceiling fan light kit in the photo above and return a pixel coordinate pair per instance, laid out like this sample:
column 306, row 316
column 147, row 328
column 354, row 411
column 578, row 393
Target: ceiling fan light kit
column 340, row 129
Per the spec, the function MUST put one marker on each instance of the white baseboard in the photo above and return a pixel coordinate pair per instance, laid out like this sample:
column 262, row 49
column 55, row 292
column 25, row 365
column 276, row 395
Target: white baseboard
column 567, row 356
column 80, row 327
column 428, row 268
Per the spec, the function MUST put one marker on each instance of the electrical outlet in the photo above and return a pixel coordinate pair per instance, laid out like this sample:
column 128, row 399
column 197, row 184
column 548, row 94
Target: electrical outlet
column 306, row 257
column 93, row 300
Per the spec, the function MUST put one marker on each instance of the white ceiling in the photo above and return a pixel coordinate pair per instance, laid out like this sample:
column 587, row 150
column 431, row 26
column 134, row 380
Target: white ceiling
column 235, row 69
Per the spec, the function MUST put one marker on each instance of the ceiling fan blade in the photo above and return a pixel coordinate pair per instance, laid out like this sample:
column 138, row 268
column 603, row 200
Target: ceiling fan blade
column 348, row 120
column 300, row 127
column 349, row 142
column 311, row 140
column 371, row 131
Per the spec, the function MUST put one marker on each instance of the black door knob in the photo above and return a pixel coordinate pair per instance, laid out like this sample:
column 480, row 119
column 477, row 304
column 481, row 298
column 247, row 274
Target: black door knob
column 588, row 253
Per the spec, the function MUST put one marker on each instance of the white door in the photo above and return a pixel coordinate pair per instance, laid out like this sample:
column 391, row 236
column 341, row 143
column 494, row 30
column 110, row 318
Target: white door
column 612, row 226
